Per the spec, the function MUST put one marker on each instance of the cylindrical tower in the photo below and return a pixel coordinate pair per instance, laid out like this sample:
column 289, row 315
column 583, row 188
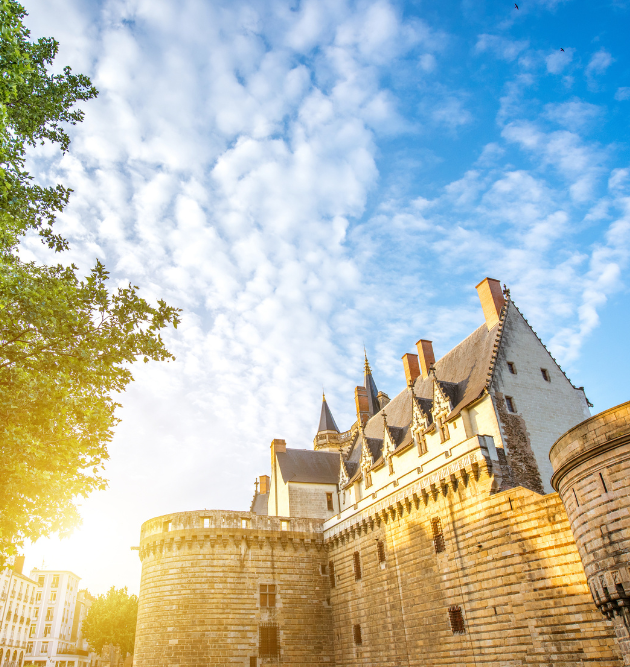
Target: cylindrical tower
column 591, row 465
column 233, row 588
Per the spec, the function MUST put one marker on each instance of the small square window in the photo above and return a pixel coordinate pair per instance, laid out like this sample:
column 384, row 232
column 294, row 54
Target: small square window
column 545, row 374
column 244, row 523
column 380, row 548
column 167, row 526
column 512, row 367
column 329, row 501
column 457, row 620
column 267, row 595
column 356, row 632
column 206, row 524
column 284, row 525
column 511, row 406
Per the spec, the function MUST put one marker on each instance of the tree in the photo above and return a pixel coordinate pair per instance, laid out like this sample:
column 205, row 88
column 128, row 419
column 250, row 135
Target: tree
column 112, row 620
column 66, row 342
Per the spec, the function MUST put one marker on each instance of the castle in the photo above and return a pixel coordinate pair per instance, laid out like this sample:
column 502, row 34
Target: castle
column 426, row 534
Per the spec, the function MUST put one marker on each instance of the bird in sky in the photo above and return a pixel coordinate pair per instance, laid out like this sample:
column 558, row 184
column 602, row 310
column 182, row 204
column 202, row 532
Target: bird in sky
column 561, row 49
column 516, row 5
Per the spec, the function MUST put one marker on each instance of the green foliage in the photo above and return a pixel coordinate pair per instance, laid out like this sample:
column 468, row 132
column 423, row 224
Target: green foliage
column 112, row 620
column 65, row 343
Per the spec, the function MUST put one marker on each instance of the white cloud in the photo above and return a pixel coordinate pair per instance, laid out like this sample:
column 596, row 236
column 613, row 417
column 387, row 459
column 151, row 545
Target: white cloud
column 501, row 47
column 622, row 94
column 558, row 60
column 598, row 64
column 574, row 115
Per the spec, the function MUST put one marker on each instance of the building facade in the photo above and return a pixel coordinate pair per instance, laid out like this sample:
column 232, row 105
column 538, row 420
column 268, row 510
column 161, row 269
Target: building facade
column 427, row 533
column 17, row 601
column 58, row 610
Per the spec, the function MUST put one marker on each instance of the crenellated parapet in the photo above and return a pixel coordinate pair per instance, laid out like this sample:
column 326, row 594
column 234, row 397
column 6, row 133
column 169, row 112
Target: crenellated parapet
column 211, row 530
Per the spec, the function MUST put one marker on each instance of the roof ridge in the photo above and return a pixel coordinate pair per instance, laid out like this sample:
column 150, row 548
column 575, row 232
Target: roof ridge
column 498, row 339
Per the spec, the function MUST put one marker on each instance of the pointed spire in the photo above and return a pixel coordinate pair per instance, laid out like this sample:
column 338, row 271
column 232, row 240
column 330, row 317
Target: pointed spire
column 370, row 386
column 326, row 420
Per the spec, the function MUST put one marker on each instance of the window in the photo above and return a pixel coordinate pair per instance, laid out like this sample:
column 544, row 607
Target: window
column 511, row 367
column 244, row 523
column 47, row 629
column 267, row 595
column 331, row 573
column 49, row 613
column 368, row 480
column 36, row 612
column 53, row 596
column 380, row 548
column 438, row 535
column 55, row 581
column 511, row 406
column 32, row 631
column 44, row 649
column 545, row 374
column 356, row 632
column 457, row 620
column 253, row 661
column 421, row 441
column 284, row 525
column 391, row 465
column 329, row 501
column 38, row 597
column 206, row 524
column 357, row 565
column 29, row 647
column 40, row 581
column 268, row 640
column 443, row 426
column 167, row 526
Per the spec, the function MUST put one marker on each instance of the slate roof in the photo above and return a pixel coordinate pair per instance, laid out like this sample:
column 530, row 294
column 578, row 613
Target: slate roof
column 260, row 504
column 326, row 420
column 306, row 465
column 372, row 391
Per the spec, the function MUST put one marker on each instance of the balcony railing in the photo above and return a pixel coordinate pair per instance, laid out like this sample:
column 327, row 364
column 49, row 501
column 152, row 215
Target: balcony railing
column 72, row 651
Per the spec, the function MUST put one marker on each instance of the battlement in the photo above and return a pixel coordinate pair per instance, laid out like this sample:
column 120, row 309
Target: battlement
column 203, row 529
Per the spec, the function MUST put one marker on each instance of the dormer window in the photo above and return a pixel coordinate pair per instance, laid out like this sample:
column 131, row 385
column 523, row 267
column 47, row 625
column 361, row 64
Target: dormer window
column 368, row 480
column 443, row 428
column 545, row 374
column 511, row 367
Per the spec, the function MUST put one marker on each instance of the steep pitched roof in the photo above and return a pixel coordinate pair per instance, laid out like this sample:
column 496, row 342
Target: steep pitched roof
column 326, row 420
column 462, row 374
column 306, row 465
column 260, row 504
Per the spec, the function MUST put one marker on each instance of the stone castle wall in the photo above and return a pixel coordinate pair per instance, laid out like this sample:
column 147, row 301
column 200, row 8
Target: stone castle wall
column 199, row 592
column 592, row 469
column 509, row 565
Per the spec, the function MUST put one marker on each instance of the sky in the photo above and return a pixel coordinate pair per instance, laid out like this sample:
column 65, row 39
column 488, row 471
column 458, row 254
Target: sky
column 306, row 178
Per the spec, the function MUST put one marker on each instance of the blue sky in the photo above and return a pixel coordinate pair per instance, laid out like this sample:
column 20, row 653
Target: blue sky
column 306, row 178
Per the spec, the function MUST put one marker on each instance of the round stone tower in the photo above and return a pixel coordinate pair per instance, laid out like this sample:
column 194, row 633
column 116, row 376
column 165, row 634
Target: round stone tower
column 233, row 588
column 591, row 464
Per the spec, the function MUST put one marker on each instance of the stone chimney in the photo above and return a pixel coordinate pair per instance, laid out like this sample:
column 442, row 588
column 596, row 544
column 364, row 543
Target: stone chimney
column 426, row 356
column 363, row 406
column 383, row 399
column 492, row 300
column 264, row 486
column 277, row 446
column 18, row 566
column 412, row 369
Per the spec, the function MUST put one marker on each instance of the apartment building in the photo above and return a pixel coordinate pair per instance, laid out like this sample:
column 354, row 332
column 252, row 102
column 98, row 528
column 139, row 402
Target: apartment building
column 17, row 598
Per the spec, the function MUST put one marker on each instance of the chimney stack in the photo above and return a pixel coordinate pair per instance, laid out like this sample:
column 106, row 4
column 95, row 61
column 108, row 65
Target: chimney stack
column 363, row 406
column 427, row 358
column 264, row 484
column 492, row 300
column 412, row 369
column 277, row 446
column 18, row 565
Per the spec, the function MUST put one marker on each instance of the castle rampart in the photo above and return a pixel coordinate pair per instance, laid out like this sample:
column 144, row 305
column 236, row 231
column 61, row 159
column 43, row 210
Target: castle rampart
column 201, row 601
column 592, row 468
